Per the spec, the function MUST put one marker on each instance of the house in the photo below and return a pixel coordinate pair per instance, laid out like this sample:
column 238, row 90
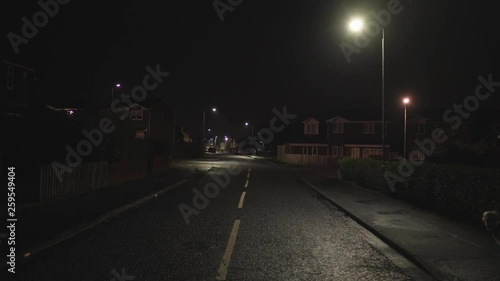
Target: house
column 421, row 128
column 18, row 83
column 142, row 140
column 152, row 118
column 307, row 144
column 325, row 142
column 356, row 138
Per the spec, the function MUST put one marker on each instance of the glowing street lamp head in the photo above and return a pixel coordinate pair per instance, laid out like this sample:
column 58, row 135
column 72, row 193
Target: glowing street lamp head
column 214, row 109
column 406, row 100
column 118, row 85
column 246, row 123
column 356, row 25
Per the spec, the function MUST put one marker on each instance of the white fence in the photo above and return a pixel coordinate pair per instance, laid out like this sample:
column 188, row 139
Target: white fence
column 304, row 159
column 84, row 178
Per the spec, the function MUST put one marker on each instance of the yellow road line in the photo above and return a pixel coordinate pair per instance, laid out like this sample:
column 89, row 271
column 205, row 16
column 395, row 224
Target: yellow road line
column 224, row 265
column 246, row 183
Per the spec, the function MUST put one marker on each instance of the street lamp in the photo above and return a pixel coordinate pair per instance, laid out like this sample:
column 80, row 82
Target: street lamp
column 203, row 129
column 247, row 124
column 406, row 101
column 118, row 85
column 357, row 25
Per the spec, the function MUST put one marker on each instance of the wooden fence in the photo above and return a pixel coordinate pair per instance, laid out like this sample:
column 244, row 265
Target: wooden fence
column 85, row 177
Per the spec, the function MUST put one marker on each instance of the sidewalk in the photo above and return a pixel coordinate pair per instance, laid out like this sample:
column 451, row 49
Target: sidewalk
column 447, row 249
column 42, row 225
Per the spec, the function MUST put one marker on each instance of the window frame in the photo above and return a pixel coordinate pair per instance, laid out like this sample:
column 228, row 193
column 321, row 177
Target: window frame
column 134, row 117
column 338, row 127
column 370, row 126
column 337, row 151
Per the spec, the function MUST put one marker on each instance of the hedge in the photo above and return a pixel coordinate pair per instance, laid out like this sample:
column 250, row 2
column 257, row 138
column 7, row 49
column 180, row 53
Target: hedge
column 457, row 190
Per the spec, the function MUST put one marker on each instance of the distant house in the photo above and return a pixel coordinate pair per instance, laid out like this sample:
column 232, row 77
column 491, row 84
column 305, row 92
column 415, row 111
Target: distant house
column 18, row 83
column 307, row 144
column 152, row 119
column 142, row 140
column 325, row 142
column 421, row 128
column 356, row 138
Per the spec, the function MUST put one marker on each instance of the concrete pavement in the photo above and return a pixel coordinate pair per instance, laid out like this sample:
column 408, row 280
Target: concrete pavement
column 447, row 249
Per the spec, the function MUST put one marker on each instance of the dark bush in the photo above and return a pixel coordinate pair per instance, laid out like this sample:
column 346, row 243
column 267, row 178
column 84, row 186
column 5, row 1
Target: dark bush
column 457, row 190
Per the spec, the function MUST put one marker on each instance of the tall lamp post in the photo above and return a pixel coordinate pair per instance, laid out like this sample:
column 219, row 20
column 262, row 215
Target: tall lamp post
column 247, row 124
column 406, row 101
column 204, row 113
column 357, row 25
column 116, row 86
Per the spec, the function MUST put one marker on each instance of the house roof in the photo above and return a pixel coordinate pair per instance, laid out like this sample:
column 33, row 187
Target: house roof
column 310, row 119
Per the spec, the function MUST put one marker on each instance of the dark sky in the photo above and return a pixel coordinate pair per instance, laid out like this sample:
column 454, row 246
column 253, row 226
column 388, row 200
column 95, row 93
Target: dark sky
column 264, row 54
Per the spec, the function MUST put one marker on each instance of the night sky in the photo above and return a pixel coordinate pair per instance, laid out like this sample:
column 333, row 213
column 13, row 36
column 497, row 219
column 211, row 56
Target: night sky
column 264, row 54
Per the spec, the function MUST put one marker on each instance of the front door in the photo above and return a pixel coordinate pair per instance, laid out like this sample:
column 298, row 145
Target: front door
column 355, row 152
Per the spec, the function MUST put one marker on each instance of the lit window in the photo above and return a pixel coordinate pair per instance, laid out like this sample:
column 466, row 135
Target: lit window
column 140, row 134
column 136, row 114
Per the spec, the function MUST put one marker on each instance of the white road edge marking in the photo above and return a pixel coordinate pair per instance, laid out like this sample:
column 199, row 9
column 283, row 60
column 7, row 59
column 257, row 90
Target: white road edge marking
column 224, row 265
column 242, row 198
column 246, row 183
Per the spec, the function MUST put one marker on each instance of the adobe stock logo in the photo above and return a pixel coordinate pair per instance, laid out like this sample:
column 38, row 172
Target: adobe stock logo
column 40, row 19
column 221, row 7
column 210, row 190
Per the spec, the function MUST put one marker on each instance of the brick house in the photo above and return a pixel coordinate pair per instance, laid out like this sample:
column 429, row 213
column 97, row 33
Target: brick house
column 355, row 138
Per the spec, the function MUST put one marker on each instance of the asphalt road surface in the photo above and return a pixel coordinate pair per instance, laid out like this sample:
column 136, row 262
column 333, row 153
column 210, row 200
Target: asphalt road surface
column 264, row 225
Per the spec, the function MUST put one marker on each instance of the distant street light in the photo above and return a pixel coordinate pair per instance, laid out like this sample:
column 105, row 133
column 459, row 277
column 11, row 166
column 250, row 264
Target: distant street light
column 246, row 124
column 203, row 130
column 117, row 86
column 406, row 101
column 357, row 25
